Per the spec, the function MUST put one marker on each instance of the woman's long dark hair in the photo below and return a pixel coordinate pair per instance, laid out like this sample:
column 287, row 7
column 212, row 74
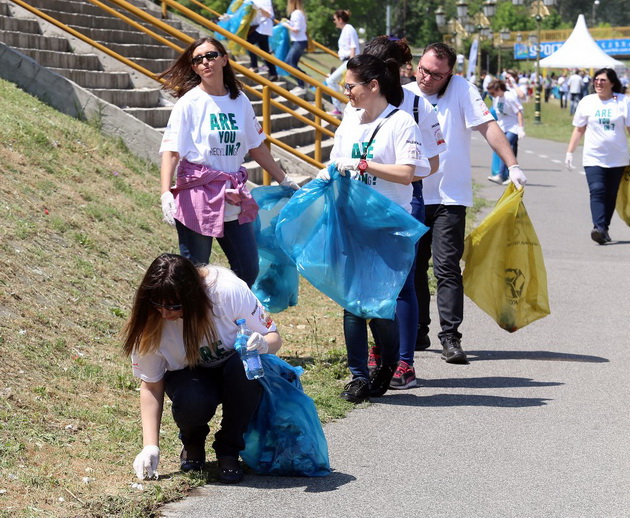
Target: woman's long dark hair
column 170, row 279
column 368, row 68
column 612, row 77
column 180, row 77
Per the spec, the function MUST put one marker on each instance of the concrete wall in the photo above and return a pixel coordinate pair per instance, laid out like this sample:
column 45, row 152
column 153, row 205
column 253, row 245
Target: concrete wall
column 69, row 98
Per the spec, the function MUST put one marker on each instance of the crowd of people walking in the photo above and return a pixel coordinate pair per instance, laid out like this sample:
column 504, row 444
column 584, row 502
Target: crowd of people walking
column 414, row 145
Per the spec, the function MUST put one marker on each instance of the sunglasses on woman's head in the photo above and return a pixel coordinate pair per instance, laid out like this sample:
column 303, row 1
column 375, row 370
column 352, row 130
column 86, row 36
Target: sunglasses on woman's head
column 169, row 307
column 210, row 56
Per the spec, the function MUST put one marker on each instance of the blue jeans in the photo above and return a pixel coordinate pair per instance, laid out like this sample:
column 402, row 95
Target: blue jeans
column 513, row 140
column 575, row 99
column 238, row 243
column 385, row 333
column 603, row 184
column 293, row 57
column 196, row 392
column 445, row 241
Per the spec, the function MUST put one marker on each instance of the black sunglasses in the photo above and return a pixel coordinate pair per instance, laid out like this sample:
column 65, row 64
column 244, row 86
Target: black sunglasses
column 169, row 307
column 210, row 56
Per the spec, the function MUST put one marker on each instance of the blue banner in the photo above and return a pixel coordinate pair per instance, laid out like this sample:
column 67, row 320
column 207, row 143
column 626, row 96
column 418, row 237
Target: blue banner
column 616, row 47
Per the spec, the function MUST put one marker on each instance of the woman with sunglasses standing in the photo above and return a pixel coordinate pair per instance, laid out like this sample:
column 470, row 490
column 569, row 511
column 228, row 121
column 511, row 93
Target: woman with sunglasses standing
column 180, row 337
column 210, row 131
column 381, row 146
column 603, row 119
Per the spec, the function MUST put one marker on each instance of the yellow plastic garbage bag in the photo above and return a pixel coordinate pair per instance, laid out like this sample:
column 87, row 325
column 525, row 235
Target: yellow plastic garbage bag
column 623, row 197
column 505, row 273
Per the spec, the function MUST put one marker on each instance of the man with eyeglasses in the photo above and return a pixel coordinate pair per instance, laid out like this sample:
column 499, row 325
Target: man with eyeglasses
column 460, row 110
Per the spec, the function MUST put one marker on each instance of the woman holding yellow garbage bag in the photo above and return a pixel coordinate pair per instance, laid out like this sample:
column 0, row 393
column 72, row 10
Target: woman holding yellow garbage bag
column 601, row 118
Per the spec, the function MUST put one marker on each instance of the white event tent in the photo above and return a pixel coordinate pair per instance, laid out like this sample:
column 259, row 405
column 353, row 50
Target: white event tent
column 580, row 51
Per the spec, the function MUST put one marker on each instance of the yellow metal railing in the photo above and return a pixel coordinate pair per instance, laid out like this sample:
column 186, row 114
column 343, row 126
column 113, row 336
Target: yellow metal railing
column 268, row 86
column 311, row 42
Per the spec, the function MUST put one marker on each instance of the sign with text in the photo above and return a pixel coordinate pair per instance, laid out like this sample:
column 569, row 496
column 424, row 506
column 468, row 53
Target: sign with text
column 616, row 47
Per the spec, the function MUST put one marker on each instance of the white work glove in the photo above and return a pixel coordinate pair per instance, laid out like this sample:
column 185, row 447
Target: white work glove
column 146, row 463
column 168, row 207
column 323, row 174
column 568, row 161
column 520, row 132
column 287, row 182
column 346, row 164
column 516, row 176
column 257, row 342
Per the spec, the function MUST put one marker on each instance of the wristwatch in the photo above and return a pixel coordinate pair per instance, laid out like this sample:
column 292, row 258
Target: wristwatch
column 363, row 165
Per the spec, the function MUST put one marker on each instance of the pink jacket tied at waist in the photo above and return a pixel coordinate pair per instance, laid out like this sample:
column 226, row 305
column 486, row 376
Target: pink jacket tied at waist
column 200, row 197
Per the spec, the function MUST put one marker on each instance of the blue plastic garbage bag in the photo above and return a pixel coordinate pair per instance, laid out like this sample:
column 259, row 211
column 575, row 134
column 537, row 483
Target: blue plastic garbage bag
column 352, row 243
column 285, row 436
column 279, row 44
column 277, row 283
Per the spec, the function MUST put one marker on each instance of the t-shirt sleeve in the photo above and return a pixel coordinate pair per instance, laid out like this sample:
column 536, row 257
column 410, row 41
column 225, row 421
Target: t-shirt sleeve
column 475, row 110
column 238, row 301
column 148, row 367
column 408, row 145
column 253, row 130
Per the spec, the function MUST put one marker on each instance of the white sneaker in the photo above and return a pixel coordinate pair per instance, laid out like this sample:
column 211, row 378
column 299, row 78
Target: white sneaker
column 506, row 182
column 495, row 178
column 298, row 90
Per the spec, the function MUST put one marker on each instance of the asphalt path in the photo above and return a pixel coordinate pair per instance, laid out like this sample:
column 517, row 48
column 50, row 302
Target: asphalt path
column 536, row 425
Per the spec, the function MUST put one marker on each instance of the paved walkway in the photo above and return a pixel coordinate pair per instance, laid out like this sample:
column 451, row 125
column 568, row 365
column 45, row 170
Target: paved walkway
column 535, row 426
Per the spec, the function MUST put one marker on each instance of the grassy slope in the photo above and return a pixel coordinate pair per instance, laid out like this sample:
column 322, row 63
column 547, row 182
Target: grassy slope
column 81, row 221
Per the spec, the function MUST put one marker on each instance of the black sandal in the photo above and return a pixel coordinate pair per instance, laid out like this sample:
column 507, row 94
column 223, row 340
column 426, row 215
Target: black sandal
column 230, row 475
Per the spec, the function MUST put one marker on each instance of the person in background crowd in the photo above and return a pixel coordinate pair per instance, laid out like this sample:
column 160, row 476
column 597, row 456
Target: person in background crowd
column 563, row 88
column 348, row 48
column 259, row 32
column 460, row 110
column 211, row 129
column 601, row 118
column 180, row 338
column 510, row 119
column 406, row 74
column 395, row 158
column 485, row 81
column 575, row 84
column 299, row 40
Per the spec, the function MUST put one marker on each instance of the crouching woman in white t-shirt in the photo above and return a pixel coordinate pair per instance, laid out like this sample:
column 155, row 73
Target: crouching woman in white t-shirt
column 180, row 337
column 211, row 129
column 603, row 118
column 381, row 146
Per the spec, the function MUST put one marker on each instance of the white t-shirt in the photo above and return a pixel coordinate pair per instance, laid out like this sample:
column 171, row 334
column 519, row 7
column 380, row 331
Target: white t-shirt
column 212, row 130
column 507, row 107
column 264, row 23
column 432, row 138
column 459, row 110
column 605, row 142
column 348, row 40
column 297, row 20
column 575, row 84
column 231, row 300
column 398, row 142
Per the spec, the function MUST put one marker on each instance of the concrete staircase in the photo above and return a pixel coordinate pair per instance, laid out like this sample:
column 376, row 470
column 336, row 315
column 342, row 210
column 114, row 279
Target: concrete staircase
column 115, row 84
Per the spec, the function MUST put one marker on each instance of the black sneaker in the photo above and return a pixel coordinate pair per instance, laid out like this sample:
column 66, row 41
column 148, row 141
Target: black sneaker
column 422, row 341
column 374, row 359
column 381, row 378
column 598, row 235
column 452, row 350
column 357, row 391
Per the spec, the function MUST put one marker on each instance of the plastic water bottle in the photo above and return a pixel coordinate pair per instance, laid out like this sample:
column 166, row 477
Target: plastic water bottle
column 251, row 359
